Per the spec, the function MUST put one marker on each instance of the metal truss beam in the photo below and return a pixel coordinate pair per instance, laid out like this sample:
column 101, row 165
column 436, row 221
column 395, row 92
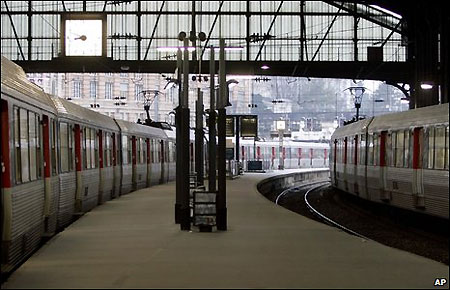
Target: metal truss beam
column 14, row 29
column 397, row 72
column 154, row 29
column 268, row 30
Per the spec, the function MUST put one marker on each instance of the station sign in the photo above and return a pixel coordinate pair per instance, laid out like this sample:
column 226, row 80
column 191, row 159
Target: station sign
column 249, row 126
column 229, row 129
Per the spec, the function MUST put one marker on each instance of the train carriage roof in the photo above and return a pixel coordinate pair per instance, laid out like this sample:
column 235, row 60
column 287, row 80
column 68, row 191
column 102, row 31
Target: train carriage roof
column 432, row 115
column 352, row 129
column 14, row 81
column 140, row 130
column 83, row 115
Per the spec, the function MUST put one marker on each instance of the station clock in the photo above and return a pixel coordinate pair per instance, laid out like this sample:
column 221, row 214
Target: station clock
column 83, row 35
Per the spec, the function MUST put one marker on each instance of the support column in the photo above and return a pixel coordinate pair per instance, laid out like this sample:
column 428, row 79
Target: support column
column 221, row 206
column 212, row 124
column 199, row 137
column 182, row 210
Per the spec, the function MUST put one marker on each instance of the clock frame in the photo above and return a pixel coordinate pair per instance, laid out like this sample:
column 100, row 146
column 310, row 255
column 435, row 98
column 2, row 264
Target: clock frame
column 82, row 17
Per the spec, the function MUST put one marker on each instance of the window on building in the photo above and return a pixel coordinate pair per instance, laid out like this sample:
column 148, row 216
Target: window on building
column 76, row 89
column 108, row 90
column 124, row 91
column 93, row 89
column 137, row 89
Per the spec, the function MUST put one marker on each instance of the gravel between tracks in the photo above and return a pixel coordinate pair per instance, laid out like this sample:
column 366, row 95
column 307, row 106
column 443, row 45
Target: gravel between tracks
column 419, row 234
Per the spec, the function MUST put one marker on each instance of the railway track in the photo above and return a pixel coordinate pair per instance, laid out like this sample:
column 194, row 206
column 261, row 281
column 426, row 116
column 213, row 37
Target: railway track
column 367, row 221
column 325, row 218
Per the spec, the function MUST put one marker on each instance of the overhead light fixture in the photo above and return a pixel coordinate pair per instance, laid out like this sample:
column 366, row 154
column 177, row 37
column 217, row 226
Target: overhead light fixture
column 265, row 66
column 426, row 85
column 173, row 48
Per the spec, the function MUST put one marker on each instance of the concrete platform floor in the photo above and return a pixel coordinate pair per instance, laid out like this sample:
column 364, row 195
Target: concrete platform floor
column 133, row 242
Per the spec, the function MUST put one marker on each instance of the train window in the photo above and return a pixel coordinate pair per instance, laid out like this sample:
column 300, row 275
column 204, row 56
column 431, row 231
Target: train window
column 94, row 148
column 35, row 148
column 106, row 150
column 130, row 149
column 53, row 145
column 429, row 148
column 153, row 150
column 439, row 148
column 350, row 150
column 411, row 148
column 26, row 145
column 17, row 145
column 447, row 136
column 85, row 144
column 390, row 149
column 376, row 149
column 143, row 150
column 370, row 150
column 406, row 149
column 399, row 149
column 32, row 139
column 124, row 149
column 24, row 141
column 64, row 151
column 362, row 149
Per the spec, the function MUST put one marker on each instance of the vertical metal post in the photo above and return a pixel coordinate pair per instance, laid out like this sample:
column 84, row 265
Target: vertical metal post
column 238, row 130
column 178, row 143
column 185, row 222
column 212, row 123
column 199, row 137
column 221, row 207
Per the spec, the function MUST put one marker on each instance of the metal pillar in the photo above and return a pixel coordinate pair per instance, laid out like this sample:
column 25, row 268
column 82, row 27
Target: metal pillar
column 179, row 178
column 221, row 207
column 199, row 137
column 238, row 130
column 212, row 124
column 185, row 217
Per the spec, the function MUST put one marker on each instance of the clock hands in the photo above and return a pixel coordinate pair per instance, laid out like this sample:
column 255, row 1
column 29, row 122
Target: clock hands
column 82, row 37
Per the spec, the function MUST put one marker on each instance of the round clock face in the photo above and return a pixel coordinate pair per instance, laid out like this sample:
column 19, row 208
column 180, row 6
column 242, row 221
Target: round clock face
column 83, row 37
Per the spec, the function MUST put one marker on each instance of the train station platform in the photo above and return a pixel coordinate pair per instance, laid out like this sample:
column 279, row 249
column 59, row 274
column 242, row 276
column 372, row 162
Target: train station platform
column 133, row 242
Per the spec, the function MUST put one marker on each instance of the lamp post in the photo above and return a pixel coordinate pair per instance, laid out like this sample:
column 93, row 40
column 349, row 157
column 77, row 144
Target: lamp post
column 357, row 93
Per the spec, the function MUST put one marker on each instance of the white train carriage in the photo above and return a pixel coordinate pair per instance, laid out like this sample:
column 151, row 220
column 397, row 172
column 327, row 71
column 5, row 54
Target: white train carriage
column 29, row 191
column 171, row 154
column 142, row 156
column 86, row 169
column 293, row 154
column 401, row 159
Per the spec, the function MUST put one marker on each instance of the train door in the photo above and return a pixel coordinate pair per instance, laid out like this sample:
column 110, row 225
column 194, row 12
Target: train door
column 384, row 194
column 148, row 161
column 345, row 163
column 101, row 178
column 133, row 164
column 335, row 162
column 6, row 202
column 47, row 170
column 116, row 174
column 78, row 167
column 355, row 165
column 163, row 163
column 417, row 185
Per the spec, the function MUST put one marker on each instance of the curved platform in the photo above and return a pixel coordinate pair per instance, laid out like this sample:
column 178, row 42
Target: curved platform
column 133, row 242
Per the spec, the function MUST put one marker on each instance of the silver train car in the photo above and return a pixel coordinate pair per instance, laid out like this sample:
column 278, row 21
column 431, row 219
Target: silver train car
column 291, row 155
column 60, row 160
column 401, row 159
